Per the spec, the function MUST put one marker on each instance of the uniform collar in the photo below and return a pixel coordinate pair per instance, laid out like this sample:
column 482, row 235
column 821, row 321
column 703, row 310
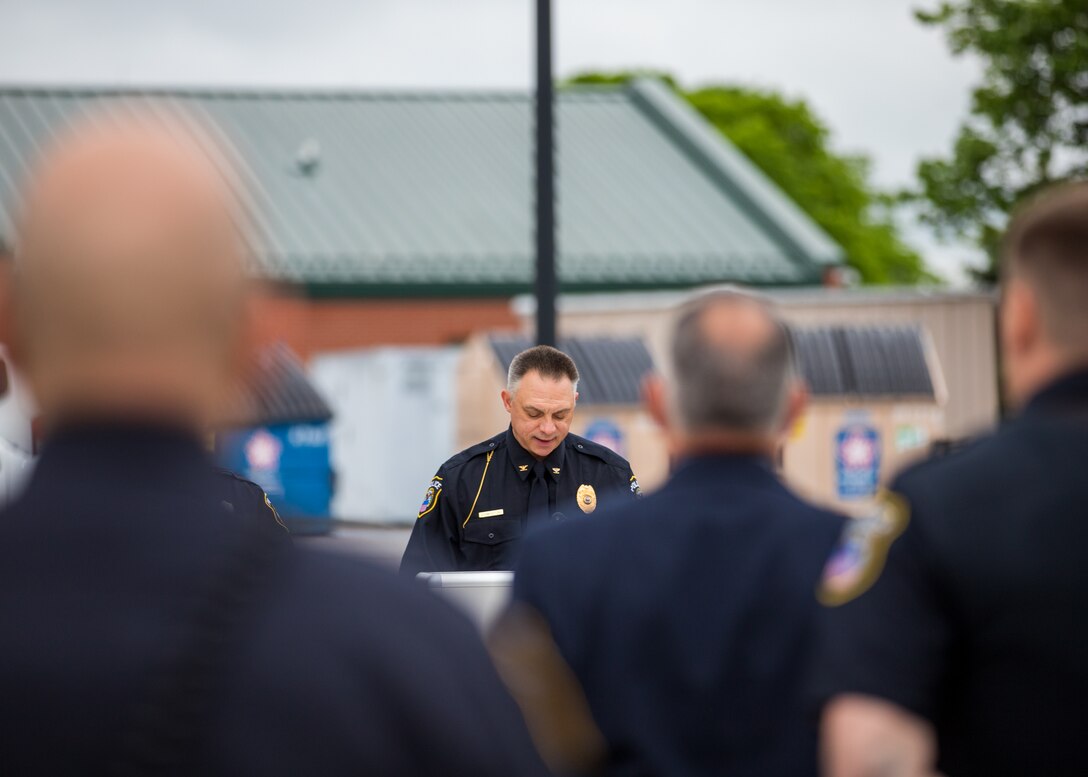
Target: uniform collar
column 1069, row 392
column 523, row 461
column 716, row 467
column 158, row 456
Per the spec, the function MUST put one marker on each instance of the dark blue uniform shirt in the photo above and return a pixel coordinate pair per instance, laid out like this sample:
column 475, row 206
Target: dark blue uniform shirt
column 687, row 619
column 341, row 668
column 976, row 618
column 477, row 506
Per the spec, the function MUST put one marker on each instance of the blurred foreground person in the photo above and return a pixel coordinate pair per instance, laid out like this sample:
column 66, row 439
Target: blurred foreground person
column 957, row 639
column 686, row 617
column 149, row 630
column 481, row 502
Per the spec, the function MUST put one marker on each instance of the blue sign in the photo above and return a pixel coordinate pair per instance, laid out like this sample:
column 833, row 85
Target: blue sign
column 289, row 461
column 604, row 432
column 857, row 460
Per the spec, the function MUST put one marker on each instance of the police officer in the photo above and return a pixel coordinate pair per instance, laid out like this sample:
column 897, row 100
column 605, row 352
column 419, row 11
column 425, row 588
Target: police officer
column 957, row 621
column 147, row 633
column 686, row 618
column 481, row 501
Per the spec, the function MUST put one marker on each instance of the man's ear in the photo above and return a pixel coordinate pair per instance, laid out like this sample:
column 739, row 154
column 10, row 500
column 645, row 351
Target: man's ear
column 1020, row 325
column 796, row 403
column 507, row 400
column 655, row 399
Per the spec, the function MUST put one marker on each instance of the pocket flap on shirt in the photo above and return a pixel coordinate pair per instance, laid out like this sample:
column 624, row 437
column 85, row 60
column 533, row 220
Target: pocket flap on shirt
column 492, row 531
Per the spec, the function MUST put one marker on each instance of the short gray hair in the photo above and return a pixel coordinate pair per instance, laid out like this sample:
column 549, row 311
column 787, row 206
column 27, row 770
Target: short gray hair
column 720, row 386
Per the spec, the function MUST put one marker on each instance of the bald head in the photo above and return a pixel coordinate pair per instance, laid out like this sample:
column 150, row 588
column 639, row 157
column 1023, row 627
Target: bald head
column 130, row 274
column 731, row 365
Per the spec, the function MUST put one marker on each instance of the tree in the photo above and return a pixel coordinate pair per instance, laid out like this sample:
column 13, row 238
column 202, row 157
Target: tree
column 790, row 144
column 1028, row 124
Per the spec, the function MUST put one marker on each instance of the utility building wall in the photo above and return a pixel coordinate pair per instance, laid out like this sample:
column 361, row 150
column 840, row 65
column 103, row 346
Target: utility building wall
column 960, row 325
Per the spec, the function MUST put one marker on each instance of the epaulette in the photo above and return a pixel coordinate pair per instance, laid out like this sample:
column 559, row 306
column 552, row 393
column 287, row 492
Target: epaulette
column 590, row 448
column 479, row 449
column 239, row 478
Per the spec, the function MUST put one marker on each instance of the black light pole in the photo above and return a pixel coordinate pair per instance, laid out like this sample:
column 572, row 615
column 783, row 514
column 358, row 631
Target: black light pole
column 545, row 179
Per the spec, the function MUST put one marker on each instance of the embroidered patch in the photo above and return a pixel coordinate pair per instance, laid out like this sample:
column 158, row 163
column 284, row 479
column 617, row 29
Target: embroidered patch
column 587, row 498
column 430, row 499
column 636, row 489
column 858, row 559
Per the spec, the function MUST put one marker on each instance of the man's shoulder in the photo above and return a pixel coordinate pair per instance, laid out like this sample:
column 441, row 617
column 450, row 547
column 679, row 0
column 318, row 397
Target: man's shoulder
column 591, row 540
column 778, row 506
column 351, row 589
column 232, row 479
column 477, row 452
column 374, row 637
column 972, row 466
column 583, row 447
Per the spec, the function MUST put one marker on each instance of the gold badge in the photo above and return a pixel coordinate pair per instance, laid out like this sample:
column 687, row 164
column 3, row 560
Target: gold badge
column 555, row 470
column 523, row 467
column 587, row 498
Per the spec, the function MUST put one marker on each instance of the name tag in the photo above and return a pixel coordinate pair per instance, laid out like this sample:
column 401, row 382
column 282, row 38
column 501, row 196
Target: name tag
column 490, row 513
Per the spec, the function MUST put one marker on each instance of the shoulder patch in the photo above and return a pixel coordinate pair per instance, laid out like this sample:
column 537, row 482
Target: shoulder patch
column 430, row 499
column 858, row 559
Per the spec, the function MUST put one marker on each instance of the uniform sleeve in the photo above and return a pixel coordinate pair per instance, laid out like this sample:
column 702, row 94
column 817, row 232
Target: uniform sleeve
column 432, row 546
column 626, row 482
column 884, row 629
column 253, row 501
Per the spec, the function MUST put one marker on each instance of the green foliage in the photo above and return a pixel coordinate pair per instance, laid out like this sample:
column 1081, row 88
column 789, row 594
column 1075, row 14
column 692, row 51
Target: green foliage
column 621, row 78
column 790, row 144
column 1028, row 125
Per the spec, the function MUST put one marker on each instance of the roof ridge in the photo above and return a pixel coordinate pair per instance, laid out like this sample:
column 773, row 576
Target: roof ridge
column 298, row 92
column 733, row 173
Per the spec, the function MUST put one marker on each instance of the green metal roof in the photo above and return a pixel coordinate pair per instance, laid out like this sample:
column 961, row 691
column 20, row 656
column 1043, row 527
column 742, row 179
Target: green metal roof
column 431, row 192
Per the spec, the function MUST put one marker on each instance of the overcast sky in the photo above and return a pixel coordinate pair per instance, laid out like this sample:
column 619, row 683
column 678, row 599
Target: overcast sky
column 885, row 85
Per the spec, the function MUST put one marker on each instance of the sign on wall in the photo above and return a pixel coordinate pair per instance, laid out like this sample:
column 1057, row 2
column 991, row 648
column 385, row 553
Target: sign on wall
column 857, row 458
